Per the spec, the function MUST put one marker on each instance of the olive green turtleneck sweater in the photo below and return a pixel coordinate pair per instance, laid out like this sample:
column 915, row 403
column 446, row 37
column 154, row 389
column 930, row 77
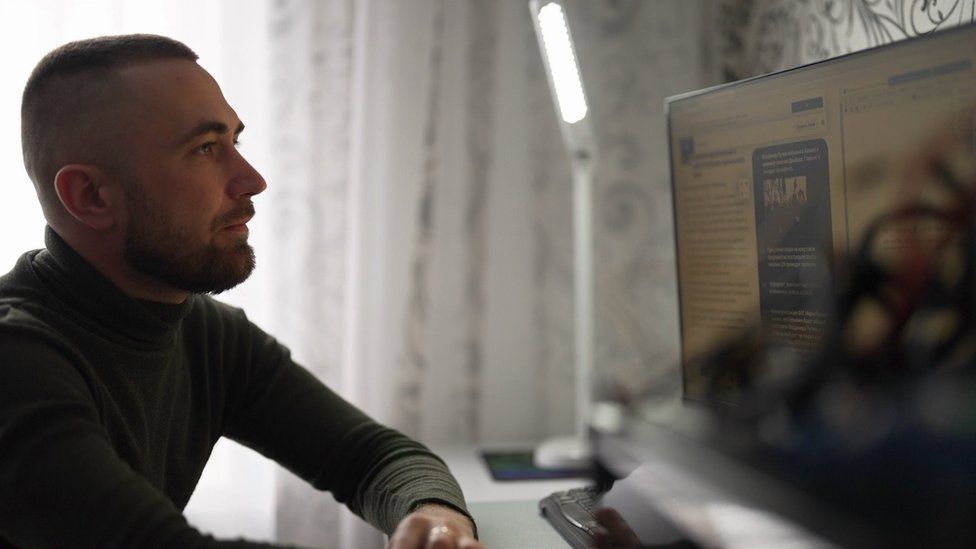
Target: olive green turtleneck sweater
column 110, row 406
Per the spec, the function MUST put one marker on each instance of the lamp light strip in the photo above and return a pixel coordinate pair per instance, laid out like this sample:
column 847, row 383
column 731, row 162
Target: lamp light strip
column 562, row 63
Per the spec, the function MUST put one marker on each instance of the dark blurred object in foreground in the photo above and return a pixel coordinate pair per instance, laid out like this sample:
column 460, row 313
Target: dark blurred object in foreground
column 882, row 422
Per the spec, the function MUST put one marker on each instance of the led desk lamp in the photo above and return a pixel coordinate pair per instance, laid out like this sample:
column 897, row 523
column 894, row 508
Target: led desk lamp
column 562, row 70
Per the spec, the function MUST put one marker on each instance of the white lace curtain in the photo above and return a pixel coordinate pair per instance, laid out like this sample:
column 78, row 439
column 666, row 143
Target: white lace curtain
column 418, row 171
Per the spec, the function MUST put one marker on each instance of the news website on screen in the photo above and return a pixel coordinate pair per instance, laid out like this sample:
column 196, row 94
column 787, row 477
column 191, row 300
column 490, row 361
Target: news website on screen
column 773, row 177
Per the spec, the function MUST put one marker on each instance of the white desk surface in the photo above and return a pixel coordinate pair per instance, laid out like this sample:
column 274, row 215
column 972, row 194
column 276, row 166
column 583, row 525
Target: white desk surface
column 507, row 512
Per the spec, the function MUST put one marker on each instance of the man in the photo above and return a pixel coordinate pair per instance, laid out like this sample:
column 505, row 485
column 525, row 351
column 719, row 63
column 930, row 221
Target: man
column 117, row 373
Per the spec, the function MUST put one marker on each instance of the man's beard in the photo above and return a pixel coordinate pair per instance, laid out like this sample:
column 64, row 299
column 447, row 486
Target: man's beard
column 156, row 247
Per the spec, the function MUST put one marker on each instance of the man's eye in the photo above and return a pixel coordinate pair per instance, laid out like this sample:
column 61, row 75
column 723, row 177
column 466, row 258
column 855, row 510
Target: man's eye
column 206, row 148
column 237, row 143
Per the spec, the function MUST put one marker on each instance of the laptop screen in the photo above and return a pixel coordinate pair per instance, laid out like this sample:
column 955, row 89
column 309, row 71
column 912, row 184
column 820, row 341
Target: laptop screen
column 775, row 177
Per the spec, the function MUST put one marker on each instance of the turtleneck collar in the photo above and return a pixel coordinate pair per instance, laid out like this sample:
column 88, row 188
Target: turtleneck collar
column 102, row 305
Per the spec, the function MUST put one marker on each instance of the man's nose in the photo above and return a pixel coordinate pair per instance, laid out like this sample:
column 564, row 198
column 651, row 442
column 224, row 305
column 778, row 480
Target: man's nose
column 247, row 181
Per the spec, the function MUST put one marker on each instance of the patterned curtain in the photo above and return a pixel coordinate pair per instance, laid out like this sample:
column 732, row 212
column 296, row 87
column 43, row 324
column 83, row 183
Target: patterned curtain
column 760, row 36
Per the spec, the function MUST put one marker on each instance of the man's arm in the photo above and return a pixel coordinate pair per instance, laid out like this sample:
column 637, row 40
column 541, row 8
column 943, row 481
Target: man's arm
column 284, row 412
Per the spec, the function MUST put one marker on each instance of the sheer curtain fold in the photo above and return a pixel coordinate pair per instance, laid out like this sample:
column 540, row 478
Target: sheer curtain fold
column 311, row 48
column 409, row 164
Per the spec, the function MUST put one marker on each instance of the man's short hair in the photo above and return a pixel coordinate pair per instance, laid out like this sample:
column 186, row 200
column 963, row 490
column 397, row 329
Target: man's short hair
column 71, row 83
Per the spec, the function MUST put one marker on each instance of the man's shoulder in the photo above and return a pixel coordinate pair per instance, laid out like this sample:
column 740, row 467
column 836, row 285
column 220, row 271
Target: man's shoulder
column 25, row 322
column 22, row 294
column 27, row 308
column 211, row 318
column 21, row 284
column 17, row 314
column 23, row 303
column 208, row 309
column 218, row 326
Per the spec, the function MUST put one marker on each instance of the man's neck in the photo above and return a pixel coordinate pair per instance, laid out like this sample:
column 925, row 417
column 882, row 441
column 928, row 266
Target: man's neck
column 104, row 252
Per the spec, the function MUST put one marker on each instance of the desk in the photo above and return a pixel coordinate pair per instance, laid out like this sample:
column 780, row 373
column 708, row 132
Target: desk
column 506, row 512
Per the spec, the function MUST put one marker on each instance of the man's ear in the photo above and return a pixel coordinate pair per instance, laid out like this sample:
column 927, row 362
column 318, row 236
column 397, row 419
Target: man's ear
column 86, row 194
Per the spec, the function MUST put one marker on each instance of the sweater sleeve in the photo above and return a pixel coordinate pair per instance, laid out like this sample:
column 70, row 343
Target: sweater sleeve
column 288, row 415
column 62, row 483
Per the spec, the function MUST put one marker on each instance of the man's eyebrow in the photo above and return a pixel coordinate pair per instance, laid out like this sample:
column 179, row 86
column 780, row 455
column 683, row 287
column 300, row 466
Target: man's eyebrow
column 209, row 126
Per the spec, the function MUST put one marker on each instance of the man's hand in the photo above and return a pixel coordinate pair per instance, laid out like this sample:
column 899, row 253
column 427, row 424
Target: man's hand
column 434, row 527
column 615, row 532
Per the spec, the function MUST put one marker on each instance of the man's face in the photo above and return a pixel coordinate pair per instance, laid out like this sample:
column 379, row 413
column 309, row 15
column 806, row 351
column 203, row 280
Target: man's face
column 188, row 189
